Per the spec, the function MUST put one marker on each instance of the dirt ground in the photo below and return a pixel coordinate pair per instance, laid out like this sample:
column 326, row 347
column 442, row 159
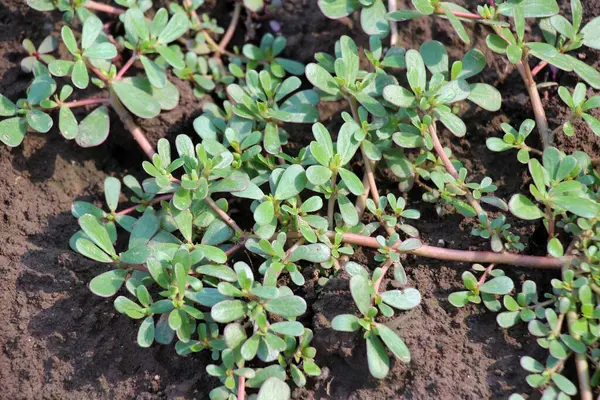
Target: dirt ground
column 59, row 341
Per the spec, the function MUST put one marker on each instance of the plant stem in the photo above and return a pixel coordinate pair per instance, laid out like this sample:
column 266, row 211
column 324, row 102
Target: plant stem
column 192, row 13
column 384, row 269
column 86, row 102
column 536, row 104
column 127, row 120
column 361, row 201
column 155, row 200
column 538, row 68
column 550, row 222
column 97, row 72
column 463, row 255
column 581, row 364
column 235, row 248
column 223, row 215
column 331, row 203
column 231, row 29
column 127, row 65
column 394, row 37
column 485, row 274
column 461, row 14
column 92, row 5
column 439, row 149
column 241, row 394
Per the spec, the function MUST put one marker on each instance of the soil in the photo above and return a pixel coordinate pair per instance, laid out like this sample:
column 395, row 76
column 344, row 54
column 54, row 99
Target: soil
column 60, row 341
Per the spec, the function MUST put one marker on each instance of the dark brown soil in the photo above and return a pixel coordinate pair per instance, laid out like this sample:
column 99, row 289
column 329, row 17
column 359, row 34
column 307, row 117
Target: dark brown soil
column 60, row 341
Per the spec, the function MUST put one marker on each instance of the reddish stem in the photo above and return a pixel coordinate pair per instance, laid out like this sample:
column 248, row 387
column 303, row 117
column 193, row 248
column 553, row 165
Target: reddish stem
column 464, row 255
column 86, row 102
column 232, row 26
column 485, row 274
column 462, row 14
column 92, row 5
column 223, row 215
column 538, row 68
column 96, row 71
column 155, row 200
column 384, row 269
column 235, row 248
column 127, row 65
column 241, row 394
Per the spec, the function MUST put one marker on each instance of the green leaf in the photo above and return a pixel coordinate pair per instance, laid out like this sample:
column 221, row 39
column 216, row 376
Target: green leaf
column 459, row 299
column 292, row 181
column 370, row 104
column 129, row 308
column 531, row 365
column 345, row 323
column 7, row 107
column 361, row 293
column 79, row 75
column 91, row 29
column 373, row 21
column 564, row 27
column 12, row 131
column 423, row 6
column 228, row 310
column 352, row 182
column 402, row 299
column 574, row 344
column 145, row 336
column 335, row 9
column 435, row 57
column 498, row 286
column 318, row 175
column 514, row 53
column 69, row 39
column 592, row 122
column 274, row 389
column 112, row 191
column 94, row 128
column 322, row 79
column 136, row 100
column 61, row 68
column 578, row 205
column 507, row 319
column 67, row 124
column 523, row 208
column 156, row 75
column 39, row 120
column 377, row 358
column 177, row 26
column 485, row 96
column 108, row 283
column 102, row 51
column 555, row 248
column 451, row 121
column 348, row 211
column 564, row 384
column 416, row 73
column 394, row 343
column 591, row 34
column 531, row 8
column 221, row 272
column 90, row 250
column 171, row 57
column 286, row 306
column 97, row 233
column 290, row 328
column 587, row 73
column 399, row 96
column 456, row 24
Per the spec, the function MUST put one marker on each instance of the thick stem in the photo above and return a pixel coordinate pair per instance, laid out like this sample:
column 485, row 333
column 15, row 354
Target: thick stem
column 127, row 65
column 86, row 102
column 464, row 255
column 550, row 218
column 92, row 5
column 223, row 215
column 97, row 72
column 361, row 201
column 394, row 37
column 439, row 149
column 241, row 394
column 536, row 104
column 232, row 26
column 485, row 274
column 127, row 120
column 461, row 14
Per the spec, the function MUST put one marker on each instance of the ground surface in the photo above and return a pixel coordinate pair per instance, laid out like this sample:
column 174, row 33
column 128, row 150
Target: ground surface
column 59, row 341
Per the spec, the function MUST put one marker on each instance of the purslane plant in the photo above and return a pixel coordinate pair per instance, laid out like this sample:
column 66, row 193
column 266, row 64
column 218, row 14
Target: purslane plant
column 181, row 271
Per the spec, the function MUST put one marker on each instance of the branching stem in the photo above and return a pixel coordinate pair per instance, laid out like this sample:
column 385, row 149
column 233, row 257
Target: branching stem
column 536, row 104
column 439, row 149
column 384, row 269
column 155, row 200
